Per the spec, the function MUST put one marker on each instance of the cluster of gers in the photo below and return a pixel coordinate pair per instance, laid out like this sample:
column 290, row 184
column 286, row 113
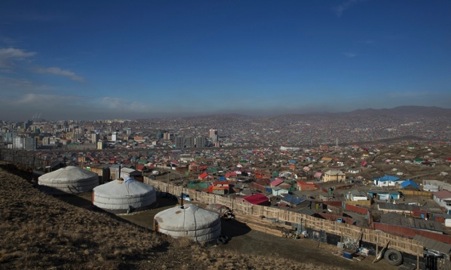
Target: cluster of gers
column 123, row 196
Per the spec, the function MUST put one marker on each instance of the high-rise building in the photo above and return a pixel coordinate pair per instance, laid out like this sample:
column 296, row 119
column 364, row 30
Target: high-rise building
column 159, row 135
column 200, row 142
column 8, row 137
column 99, row 145
column 189, row 142
column 213, row 135
column 29, row 143
column 94, row 137
column 179, row 142
column 167, row 136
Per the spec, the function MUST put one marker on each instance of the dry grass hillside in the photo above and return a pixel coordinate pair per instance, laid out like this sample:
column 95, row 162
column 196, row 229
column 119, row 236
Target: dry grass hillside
column 38, row 231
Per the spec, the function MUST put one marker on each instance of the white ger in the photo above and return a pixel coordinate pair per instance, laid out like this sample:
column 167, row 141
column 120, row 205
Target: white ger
column 70, row 179
column 189, row 221
column 124, row 196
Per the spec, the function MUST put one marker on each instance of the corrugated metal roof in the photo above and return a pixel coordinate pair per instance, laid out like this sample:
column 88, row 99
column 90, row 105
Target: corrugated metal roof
column 410, row 183
column 293, row 199
column 276, row 182
column 443, row 194
column 409, row 222
column 433, row 244
column 307, row 211
column 400, row 206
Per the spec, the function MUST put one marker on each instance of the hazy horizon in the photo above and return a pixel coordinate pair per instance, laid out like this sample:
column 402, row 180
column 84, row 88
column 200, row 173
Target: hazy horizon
column 88, row 60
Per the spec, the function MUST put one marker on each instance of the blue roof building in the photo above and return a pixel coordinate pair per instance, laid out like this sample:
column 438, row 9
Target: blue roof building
column 386, row 181
column 410, row 184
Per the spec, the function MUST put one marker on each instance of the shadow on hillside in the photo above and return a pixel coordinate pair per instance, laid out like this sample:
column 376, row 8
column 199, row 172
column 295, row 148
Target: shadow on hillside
column 165, row 200
column 83, row 200
column 11, row 168
column 233, row 228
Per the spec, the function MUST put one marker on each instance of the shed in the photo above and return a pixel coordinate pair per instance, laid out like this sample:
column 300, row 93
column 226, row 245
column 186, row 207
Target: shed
column 124, row 196
column 70, row 179
column 189, row 221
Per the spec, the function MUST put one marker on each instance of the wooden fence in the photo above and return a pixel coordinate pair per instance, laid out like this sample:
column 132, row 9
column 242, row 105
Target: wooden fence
column 241, row 206
column 417, row 193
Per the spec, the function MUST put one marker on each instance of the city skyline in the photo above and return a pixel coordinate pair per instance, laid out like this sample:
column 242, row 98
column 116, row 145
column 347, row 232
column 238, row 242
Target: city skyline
column 86, row 60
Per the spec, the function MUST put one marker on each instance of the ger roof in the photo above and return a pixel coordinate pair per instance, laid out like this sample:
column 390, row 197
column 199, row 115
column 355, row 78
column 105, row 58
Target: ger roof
column 120, row 189
column 69, row 173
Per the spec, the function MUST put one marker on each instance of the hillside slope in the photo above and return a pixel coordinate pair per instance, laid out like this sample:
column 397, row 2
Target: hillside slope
column 42, row 232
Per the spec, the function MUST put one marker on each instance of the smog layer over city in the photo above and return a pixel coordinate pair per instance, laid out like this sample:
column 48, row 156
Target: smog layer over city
column 225, row 134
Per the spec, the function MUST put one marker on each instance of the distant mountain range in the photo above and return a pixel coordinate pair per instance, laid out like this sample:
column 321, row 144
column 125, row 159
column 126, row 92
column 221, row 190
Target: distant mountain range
column 399, row 112
column 407, row 111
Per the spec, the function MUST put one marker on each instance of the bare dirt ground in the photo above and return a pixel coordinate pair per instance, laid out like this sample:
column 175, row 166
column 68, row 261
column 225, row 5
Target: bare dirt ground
column 38, row 231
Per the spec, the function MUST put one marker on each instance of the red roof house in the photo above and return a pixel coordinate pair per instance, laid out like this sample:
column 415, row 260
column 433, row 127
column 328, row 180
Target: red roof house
column 203, row 176
column 258, row 199
column 276, row 182
column 219, row 187
column 303, row 185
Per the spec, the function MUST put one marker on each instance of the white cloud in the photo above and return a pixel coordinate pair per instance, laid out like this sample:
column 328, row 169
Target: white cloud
column 16, row 86
column 45, row 100
column 60, row 72
column 123, row 105
column 340, row 9
column 9, row 55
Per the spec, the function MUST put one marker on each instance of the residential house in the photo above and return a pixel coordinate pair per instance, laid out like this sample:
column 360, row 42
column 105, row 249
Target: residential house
column 257, row 199
column 318, row 175
column 334, row 175
column 386, row 181
column 305, row 186
column 277, row 191
column 219, row 187
column 384, row 195
column 292, row 200
column 276, row 182
column 203, row 176
column 231, row 175
column 435, row 185
column 410, row 184
column 410, row 222
column 443, row 198
column 355, row 195
column 404, row 209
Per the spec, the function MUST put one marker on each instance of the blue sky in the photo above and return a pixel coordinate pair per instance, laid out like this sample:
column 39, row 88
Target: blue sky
column 142, row 59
